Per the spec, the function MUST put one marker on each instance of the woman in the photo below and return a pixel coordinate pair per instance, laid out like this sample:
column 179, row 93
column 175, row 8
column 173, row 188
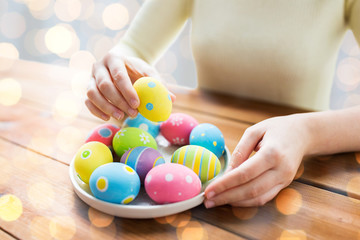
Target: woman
column 279, row 51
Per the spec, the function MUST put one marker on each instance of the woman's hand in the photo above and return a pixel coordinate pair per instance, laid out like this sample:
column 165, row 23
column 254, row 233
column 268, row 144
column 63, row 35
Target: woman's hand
column 111, row 92
column 280, row 144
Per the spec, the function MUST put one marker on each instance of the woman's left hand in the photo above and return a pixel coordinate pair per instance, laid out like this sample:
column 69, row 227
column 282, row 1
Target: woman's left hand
column 280, row 144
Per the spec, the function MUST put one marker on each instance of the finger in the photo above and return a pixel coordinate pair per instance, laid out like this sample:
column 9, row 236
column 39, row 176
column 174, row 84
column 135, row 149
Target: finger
column 103, row 105
column 111, row 93
column 260, row 200
column 250, row 169
column 247, row 191
column 250, row 139
column 122, row 81
column 96, row 111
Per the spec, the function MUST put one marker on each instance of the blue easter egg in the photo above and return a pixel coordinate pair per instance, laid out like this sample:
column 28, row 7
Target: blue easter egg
column 208, row 136
column 115, row 182
column 141, row 122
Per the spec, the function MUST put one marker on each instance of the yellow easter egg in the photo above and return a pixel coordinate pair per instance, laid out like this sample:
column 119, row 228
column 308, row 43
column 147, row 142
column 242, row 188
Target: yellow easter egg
column 155, row 101
column 90, row 156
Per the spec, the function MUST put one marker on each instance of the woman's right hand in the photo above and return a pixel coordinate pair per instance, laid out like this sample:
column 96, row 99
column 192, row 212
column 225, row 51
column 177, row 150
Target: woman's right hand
column 110, row 93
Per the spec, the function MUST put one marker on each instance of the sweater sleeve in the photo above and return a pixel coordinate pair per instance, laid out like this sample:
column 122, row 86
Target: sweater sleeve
column 354, row 18
column 154, row 28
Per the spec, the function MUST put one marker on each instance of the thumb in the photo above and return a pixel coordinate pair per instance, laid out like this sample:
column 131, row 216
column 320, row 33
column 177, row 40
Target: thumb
column 247, row 144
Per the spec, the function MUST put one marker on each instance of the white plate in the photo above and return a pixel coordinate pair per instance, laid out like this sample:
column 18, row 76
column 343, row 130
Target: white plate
column 142, row 206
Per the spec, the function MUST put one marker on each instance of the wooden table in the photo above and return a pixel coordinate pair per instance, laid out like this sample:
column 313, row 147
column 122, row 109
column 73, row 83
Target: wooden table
column 41, row 131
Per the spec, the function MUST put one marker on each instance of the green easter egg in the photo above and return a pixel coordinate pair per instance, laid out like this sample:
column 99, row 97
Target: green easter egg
column 131, row 137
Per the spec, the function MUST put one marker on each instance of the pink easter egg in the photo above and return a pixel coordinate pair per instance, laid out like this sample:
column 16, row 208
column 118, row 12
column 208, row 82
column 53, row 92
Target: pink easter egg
column 177, row 128
column 171, row 182
column 103, row 133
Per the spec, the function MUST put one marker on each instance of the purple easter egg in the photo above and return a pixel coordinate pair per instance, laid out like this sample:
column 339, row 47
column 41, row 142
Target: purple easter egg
column 142, row 160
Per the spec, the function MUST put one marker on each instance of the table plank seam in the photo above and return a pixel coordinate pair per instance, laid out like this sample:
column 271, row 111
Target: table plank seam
column 32, row 150
column 8, row 233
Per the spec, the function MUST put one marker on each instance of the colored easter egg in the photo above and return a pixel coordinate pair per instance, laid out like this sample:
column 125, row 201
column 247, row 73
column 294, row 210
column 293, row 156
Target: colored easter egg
column 115, row 183
column 142, row 160
column 177, row 128
column 208, row 136
column 140, row 122
column 90, row 156
column 155, row 101
column 202, row 161
column 171, row 182
column 131, row 137
column 103, row 133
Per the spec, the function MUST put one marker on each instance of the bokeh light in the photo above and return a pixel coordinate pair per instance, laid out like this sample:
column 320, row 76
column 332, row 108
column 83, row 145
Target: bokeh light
column 12, row 25
column 357, row 157
column 38, row 199
column 193, row 231
column 62, row 227
column 293, row 235
column 11, row 208
column 350, row 46
column 300, row 171
column 10, row 91
column 288, row 201
column 348, row 73
column 79, row 84
column 82, row 60
column 108, row 232
column 115, row 16
column 58, row 39
column 69, row 139
column 244, row 213
column 95, row 20
column 39, row 41
column 176, row 220
column 99, row 219
column 67, row 10
column 40, row 142
column 67, row 107
column 8, row 55
column 39, row 228
column 87, row 9
column 41, row 9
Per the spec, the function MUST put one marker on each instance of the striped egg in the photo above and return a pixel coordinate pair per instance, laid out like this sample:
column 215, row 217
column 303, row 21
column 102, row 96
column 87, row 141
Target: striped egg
column 142, row 159
column 202, row 161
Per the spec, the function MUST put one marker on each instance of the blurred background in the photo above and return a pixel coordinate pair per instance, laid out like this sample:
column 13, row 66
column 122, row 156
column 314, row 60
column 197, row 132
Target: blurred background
column 75, row 33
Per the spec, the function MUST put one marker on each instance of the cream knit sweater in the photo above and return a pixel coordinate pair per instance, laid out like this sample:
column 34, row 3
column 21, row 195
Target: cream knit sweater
column 281, row 51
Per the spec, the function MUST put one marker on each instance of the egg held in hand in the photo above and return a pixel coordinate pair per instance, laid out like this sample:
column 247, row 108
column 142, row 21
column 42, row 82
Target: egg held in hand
column 155, row 100
column 203, row 162
column 177, row 128
column 142, row 160
column 208, row 136
column 131, row 137
column 90, row 156
column 171, row 182
column 115, row 182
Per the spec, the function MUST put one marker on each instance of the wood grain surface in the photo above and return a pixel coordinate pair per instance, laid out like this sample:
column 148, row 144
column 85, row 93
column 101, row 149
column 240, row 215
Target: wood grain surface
column 41, row 132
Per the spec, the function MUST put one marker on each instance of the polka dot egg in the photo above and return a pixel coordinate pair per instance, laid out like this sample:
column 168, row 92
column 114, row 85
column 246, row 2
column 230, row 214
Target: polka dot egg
column 208, row 136
column 171, row 182
column 155, row 101
column 140, row 122
column 142, row 159
column 202, row 161
column 90, row 156
column 131, row 137
column 177, row 128
column 115, row 183
column 103, row 133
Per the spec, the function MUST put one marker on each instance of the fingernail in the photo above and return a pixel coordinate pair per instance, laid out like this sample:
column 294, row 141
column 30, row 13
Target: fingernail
column 209, row 204
column 132, row 112
column 134, row 103
column 104, row 117
column 210, row 195
column 117, row 115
